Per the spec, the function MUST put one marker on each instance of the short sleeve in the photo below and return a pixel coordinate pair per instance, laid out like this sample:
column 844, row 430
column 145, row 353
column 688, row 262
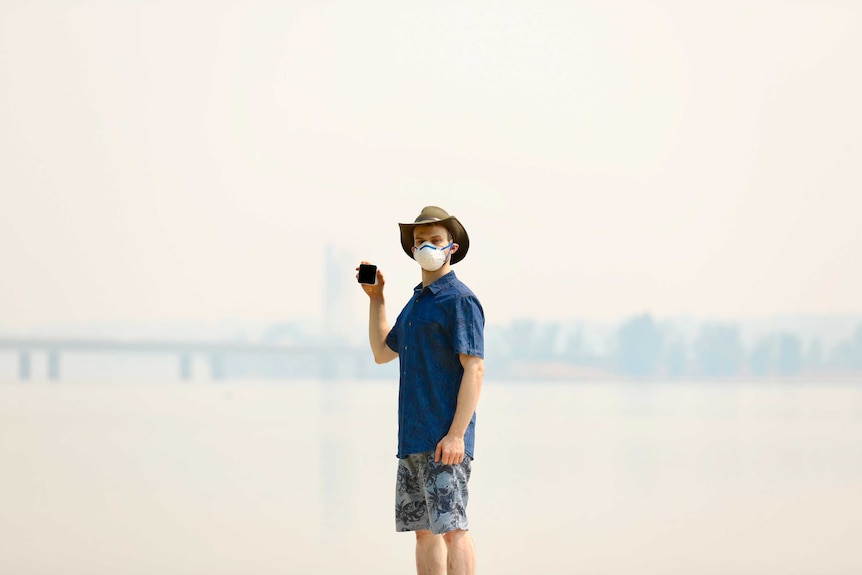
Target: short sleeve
column 469, row 327
column 392, row 337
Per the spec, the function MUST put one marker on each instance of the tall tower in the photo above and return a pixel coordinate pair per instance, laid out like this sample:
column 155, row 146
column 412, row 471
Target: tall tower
column 337, row 300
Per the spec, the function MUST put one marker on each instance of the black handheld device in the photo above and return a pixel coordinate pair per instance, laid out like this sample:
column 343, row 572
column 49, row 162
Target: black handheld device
column 367, row 274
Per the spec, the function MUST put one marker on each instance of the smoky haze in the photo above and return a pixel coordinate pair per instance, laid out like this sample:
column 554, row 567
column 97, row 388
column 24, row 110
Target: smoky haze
column 193, row 160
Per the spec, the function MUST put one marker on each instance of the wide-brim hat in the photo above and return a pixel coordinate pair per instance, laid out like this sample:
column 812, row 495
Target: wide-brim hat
column 435, row 215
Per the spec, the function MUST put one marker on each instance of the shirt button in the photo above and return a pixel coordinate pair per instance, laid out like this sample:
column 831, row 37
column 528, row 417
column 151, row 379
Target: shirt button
column 410, row 323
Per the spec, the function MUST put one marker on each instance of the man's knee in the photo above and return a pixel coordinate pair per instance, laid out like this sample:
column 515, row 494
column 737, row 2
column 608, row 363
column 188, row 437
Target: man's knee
column 424, row 535
column 455, row 536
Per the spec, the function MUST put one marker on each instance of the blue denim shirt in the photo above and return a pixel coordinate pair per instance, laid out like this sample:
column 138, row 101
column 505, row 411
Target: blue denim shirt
column 439, row 322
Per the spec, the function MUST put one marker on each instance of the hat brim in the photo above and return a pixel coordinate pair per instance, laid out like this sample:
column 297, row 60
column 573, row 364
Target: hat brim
column 459, row 236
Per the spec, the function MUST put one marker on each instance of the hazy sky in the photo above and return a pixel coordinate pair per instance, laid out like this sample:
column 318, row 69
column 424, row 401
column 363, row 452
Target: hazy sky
column 181, row 159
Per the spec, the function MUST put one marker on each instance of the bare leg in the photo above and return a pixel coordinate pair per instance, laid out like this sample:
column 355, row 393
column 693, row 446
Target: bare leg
column 462, row 553
column 430, row 554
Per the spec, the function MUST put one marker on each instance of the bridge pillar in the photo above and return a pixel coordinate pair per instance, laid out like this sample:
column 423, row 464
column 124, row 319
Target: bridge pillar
column 185, row 366
column 24, row 365
column 54, row 364
column 217, row 366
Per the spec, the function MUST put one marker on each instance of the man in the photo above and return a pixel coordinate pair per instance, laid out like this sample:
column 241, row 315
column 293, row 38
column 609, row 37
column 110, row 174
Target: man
column 438, row 339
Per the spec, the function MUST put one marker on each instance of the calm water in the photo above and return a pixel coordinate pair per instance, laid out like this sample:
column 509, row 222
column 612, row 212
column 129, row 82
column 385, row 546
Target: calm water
column 266, row 478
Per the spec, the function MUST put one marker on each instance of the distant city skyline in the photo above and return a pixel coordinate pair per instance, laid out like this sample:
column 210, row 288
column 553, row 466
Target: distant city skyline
column 639, row 347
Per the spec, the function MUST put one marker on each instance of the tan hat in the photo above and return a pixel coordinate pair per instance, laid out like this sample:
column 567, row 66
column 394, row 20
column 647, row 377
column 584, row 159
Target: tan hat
column 435, row 215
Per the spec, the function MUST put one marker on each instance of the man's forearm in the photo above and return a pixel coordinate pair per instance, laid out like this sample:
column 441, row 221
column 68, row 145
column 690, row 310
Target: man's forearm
column 378, row 328
column 468, row 398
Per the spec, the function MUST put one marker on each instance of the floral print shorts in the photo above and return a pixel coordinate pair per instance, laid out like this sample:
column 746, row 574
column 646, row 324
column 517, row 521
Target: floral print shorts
column 431, row 496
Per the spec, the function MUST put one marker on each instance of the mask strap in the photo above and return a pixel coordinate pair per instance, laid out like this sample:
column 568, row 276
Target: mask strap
column 449, row 255
column 432, row 246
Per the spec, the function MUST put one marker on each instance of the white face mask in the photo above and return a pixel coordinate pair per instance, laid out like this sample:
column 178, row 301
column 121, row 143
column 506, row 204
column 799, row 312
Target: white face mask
column 430, row 257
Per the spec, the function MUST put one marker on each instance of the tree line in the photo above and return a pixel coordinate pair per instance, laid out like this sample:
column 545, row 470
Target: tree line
column 640, row 346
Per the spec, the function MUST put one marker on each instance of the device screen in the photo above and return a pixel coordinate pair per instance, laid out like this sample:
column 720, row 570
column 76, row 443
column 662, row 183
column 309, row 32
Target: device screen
column 367, row 274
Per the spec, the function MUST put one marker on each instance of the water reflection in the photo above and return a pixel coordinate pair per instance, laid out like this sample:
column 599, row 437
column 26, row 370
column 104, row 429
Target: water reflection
column 298, row 477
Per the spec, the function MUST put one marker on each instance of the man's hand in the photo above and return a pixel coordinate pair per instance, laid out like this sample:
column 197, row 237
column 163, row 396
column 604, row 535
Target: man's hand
column 450, row 450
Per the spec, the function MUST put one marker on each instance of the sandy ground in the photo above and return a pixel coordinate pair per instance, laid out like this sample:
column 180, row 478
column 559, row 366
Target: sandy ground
column 297, row 477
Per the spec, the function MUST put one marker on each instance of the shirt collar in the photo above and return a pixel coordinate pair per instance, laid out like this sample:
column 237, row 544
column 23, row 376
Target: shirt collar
column 438, row 284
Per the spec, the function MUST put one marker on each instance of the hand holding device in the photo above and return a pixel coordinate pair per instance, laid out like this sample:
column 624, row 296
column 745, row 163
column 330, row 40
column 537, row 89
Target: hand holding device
column 367, row 274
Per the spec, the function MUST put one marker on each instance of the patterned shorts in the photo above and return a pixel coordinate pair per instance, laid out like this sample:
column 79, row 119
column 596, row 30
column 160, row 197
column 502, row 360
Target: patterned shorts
column 431, row 496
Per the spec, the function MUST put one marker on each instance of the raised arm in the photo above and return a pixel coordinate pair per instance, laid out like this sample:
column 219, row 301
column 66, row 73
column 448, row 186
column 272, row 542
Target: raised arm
column 378, row 326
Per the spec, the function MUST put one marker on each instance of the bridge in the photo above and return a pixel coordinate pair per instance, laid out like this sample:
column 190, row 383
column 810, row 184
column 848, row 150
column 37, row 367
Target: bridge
column 214, row 351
